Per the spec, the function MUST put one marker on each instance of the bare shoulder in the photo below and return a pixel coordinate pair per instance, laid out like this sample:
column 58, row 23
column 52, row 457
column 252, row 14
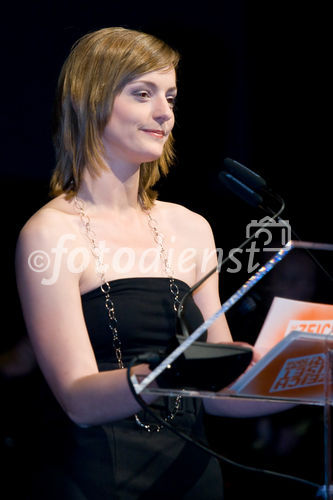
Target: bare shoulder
column 45, row 238
column 50, row 221
column 53, row 226
column 184, row 220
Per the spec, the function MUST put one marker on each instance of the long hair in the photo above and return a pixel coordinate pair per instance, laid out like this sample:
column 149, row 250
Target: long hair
column 98, row 67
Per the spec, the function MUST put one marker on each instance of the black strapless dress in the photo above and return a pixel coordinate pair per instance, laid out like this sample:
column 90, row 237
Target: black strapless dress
column 119, row 460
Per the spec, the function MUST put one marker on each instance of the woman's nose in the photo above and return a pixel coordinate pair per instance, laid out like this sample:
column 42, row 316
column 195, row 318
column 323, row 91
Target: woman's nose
column 162, row 110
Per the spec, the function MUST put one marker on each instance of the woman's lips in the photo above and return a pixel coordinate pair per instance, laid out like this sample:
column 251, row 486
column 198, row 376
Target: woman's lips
column 155, row 133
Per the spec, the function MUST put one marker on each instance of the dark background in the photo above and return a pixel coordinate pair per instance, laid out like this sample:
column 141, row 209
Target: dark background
column 252, row 86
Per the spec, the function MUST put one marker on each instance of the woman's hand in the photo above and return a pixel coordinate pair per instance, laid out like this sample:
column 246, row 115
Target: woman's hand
column 255, row 354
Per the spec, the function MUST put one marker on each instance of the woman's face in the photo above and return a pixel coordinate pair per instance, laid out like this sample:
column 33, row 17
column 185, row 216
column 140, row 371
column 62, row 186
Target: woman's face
column 142, row 118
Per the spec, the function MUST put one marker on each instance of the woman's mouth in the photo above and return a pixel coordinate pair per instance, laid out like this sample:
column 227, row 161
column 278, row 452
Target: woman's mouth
column 155, row 133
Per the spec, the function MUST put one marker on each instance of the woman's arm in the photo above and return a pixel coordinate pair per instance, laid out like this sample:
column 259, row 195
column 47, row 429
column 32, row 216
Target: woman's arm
column 208, row 300
column 207, row 295
column 56, row 327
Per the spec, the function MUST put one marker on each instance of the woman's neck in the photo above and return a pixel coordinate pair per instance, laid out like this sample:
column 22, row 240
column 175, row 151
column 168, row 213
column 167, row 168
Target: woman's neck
column 115, row 189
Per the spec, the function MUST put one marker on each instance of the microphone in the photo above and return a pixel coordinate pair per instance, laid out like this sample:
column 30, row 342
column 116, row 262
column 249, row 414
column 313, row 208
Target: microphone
column 245, row 183
column 240, row 189
column 244, row 174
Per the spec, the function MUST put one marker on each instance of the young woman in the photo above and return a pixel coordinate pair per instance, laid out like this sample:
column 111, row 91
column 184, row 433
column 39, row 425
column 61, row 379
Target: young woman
column 101, row 269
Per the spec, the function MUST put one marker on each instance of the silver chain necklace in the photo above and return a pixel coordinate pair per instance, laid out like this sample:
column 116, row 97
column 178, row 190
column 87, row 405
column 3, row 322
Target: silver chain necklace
column 105, row 287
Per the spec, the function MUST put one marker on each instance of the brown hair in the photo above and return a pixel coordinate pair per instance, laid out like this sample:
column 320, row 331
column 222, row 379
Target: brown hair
column 98, row 67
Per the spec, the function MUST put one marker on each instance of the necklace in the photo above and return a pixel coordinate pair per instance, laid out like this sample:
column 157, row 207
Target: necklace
column 105, row 287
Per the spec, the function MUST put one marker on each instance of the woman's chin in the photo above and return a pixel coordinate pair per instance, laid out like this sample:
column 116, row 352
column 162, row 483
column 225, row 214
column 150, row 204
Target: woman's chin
column 151, row 157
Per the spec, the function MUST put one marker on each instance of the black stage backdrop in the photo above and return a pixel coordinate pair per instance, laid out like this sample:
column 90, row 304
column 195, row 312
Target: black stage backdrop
column 252, row 86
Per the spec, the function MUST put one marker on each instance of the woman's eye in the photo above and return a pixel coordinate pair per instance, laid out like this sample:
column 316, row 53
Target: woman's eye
column 172, row 101
column 142, row 94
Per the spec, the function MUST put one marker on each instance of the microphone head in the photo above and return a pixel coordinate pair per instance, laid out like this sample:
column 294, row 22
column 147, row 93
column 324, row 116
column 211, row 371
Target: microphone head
column 244, row 174
column 240, row 189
